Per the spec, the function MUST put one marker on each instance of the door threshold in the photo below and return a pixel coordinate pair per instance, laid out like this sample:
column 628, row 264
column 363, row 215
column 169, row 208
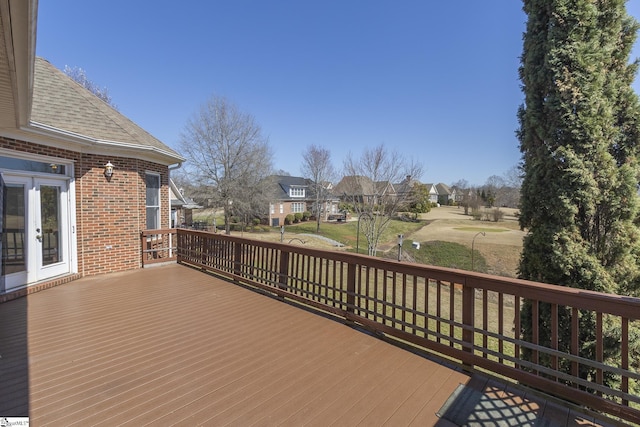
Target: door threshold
column 38, row 286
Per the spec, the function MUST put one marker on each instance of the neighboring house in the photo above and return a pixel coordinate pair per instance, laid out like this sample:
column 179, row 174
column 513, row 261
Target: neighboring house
column 290, row 196
column 330, row 203
column 293, row 194
column 79, row 180
column 181, row 207
column 445, row 194
column 404, row 187
column 361, row 189
column 460, row 195
column 433, row 193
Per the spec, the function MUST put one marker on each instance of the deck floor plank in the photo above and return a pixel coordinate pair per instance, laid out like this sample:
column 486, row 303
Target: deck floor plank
column 170, row 345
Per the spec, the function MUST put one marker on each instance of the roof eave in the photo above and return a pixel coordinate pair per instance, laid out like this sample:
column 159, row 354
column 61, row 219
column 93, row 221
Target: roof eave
column 153, row 153
column 18, row 22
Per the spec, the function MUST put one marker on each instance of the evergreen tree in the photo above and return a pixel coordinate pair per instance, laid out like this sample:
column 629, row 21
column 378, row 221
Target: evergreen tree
column 579, row 136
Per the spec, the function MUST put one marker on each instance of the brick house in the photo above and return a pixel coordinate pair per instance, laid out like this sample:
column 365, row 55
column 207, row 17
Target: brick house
column 294, row 194
column 291, row 195
column 79, row 180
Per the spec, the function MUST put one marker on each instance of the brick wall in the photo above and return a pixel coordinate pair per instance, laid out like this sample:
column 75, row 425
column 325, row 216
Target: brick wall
column 109, row 213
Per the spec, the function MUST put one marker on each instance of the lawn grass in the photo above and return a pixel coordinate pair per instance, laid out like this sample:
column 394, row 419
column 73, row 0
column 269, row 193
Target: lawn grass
column 481, row 229
column 447, row 254
column 346, row 232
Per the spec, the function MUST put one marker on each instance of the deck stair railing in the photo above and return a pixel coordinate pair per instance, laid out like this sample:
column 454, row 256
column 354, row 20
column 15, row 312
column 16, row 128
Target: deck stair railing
column 466, row 317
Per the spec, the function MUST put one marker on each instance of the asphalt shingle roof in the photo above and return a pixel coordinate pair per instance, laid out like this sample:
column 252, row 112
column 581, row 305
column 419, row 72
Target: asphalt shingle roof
column 60, row 102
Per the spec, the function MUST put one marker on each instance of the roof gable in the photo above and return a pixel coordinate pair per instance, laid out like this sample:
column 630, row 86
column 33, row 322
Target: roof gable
column 353, row 185
column 64, row 105
column 443, row 189
column 284, row 183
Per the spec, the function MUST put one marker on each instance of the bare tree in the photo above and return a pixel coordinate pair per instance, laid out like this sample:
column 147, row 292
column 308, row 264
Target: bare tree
column 317, row 167
column 78, row 75
column 464, row 194
column 228, row 154
column 513, row 181
column 494, row 189
column 368, row 185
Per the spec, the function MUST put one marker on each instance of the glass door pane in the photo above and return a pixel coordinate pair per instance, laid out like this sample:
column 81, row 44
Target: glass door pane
column 14, row 258
column 50, row 223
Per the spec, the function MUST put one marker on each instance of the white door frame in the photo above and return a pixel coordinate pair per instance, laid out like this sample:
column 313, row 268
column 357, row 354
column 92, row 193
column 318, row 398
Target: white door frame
column 44, row 270
column 36, row 271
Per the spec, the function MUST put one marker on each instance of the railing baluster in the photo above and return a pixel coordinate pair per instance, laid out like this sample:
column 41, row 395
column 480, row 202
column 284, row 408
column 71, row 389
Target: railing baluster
column 500, row 326
column 452, row 314
column 624, row 352
column 468, row 316
column 535, row 328
column 438, row 309
column 599, row 349
column 554, row 335
column 516, row 326
column 575, row 341
column 485, row 321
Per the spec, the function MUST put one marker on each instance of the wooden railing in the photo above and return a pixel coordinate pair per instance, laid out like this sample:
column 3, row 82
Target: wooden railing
column 158, row 246
column 471, row 318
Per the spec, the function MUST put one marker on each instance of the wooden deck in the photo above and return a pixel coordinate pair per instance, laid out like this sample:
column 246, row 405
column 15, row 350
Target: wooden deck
column 172, row 346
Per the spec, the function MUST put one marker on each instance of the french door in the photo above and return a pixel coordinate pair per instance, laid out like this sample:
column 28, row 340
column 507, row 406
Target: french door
column 35, row 229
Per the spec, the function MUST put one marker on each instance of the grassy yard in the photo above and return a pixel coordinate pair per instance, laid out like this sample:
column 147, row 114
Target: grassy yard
column 447, row 254
column 347, row 232
column 444, row 242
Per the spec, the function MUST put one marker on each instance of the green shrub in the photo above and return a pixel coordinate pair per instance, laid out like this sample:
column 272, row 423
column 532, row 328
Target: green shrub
column 288, row 220
column 297, row 217
column 306, row 215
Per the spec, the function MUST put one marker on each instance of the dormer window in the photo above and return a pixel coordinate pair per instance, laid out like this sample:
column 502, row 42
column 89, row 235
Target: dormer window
column 296, row 192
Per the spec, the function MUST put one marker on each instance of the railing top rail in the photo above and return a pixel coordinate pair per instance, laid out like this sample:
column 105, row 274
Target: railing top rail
column 144, row 233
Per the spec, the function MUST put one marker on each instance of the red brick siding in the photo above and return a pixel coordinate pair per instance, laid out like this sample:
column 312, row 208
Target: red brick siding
column 108, row 212
column 288, row 209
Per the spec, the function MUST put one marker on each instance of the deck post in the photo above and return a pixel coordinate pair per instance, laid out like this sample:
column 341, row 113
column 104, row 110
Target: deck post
column 283, row 269
column 351, row 287
column 237, row 258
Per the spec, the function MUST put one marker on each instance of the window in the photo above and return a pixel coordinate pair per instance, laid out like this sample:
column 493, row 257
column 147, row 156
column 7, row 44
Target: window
column 32, row 165
column 153, row 201
column 272, row 208
column 297, row 207
column 296, row 192
column 281, row 208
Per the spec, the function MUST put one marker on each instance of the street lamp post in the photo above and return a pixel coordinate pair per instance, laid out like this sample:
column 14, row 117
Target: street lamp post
column 473, row 241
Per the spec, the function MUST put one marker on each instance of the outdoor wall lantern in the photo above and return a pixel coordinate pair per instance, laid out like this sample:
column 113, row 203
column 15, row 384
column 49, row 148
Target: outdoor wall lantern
column 108, row 170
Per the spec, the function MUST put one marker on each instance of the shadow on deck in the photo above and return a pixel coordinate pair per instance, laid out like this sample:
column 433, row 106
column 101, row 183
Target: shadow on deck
column 172, row 345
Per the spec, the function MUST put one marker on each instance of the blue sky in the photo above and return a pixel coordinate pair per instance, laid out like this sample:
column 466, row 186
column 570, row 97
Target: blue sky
column 435, row 81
